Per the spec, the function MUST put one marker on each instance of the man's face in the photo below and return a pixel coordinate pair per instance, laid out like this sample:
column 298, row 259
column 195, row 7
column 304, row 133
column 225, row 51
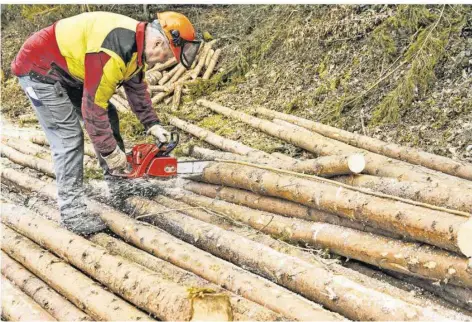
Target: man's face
column 157, row 51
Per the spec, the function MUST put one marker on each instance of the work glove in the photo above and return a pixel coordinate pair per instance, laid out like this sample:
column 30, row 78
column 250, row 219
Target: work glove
column 116, row 161
column 161, row 134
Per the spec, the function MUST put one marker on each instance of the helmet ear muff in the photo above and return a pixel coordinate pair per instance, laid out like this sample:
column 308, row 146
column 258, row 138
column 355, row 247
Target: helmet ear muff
column 176, row 39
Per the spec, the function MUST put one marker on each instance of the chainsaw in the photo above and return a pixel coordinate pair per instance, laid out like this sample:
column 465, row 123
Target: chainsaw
column 154, row 160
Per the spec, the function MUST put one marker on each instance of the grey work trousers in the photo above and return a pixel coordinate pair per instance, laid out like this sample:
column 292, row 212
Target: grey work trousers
column 59, row 112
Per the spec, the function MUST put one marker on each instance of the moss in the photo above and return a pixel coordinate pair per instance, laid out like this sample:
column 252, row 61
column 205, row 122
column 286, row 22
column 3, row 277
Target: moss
column 131, row 128
column 92, row 173
column 218, row 124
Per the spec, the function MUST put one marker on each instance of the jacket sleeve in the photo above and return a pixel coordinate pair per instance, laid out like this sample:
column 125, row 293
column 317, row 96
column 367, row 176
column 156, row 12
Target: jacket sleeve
column 102, row 75
column 140, row 101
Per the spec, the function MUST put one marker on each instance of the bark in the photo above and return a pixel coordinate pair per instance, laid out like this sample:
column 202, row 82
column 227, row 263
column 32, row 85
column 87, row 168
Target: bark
column 135, row 283
column 282, row 156
column 324, row 166
column 208, row 58
column 392, row 150
column 41, row 140
column 176, row 97
column 40, row 292
column 153, row 77
column 168, row 64
column 170, row 89
column 216, row 140
column 449, row 197
column 430, row 226
column 405, row 257
column 213, row 269
column 158, row 88
column 178, row 74
column 27, row 147
column 338, row 293
column 201, row 62
column 279, row 206
column 308, row 256
column 212, row 64
column 243, row 309
column 86, row 294
column 17, row 306
column 375, row 164
column 28, row 160
column 167, row 76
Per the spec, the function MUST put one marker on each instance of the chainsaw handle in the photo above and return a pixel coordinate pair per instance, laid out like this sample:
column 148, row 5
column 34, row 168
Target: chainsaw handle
column 166, row 148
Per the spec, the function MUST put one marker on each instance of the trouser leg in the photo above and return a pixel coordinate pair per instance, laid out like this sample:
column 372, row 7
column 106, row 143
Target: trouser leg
column 61, row 124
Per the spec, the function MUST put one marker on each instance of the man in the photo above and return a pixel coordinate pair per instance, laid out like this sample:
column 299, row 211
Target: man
column 70, row 70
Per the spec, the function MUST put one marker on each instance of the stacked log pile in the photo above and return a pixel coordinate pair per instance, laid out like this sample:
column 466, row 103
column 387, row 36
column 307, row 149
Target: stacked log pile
column 243, row 240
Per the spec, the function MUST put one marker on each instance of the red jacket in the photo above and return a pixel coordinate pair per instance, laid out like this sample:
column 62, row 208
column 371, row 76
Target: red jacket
column 117, row 61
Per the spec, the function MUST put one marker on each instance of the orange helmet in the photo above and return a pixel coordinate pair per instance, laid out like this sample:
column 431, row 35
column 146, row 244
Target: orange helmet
column 181, row 35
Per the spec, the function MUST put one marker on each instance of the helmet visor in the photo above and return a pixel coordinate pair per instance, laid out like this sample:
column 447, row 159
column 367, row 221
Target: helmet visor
column 189, row 52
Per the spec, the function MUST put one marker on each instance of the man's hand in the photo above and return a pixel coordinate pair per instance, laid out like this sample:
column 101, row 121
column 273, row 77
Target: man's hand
column 116, row 161
column 161, row 134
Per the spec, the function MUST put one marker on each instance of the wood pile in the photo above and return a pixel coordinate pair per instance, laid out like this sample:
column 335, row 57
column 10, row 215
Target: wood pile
column 247, row 239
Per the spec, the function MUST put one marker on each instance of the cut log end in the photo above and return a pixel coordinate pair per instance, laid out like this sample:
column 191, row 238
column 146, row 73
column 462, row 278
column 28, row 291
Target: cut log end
column 356, row 163
column 464, row 238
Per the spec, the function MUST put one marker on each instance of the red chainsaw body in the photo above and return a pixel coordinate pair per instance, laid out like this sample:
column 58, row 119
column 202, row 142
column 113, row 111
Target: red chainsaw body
column 146, row 161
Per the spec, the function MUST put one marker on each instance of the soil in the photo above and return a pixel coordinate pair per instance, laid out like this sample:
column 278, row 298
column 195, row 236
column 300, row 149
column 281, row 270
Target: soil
column 401, row 73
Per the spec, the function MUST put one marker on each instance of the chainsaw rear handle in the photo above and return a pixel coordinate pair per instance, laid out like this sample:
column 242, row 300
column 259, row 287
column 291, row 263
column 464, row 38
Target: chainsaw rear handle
column 166, row 148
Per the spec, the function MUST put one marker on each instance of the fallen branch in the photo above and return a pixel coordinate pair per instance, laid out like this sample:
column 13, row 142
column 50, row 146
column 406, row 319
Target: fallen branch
column 17, row 306
column 201, row 62
column 40, row 292
column 212, row 63
column 167, row 76
column 176, row 97
column 85, row 293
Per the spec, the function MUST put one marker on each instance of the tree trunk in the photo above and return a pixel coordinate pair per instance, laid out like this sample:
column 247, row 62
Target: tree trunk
column 392, row 150
column 306, row 255
column 17, row 306
column 211, row 268
column 40, row 292
column 324, row 166
column 212, row 64
column 375, row 164
column 135, row 283
column 85, row 293
column 28, row 160
column 418, row 223
column 409, row 258
column 335, row 292
column 449, row 197
column 243, row 309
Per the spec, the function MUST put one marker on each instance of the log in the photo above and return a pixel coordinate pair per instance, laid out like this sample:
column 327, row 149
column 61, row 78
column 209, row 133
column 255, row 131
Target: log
column 338, row 293
column 86, row 294
column 282, row 156
column 208, row 58
column 139, row 285
column 201, row 62
column 167, row 100
column 212, row 64
column 121, row 91
column 158, row 88
column 153, row 77
column 392, row 150
column 176, row 97
column 375, row 164
column 323, row 166
column 17, row 306
column 430, row 226
column 405, row 257
column 168, row 64
column 450, row 197
column 56, row 305
column 217, row 140
column 119, row 105
column 28, row 160
column 166, row 77
column 41, row 140
column 178, row 74
column 278, row 206
column 27, row 147
column 213, row 269
column 243, row 309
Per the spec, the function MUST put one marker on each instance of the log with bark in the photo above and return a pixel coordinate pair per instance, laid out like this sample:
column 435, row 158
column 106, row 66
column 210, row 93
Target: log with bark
column 30, row 161
column 211, row 65
column 153, row 77
column 81, row 290
column 405, row 257
column 201, row 61
column 242, row 308
column 376, row 164
column 118, row 103
column 208, row 58
column 335, row 292
column 176, row 97
column 27, row 147
column 158, row 88
column 177, row 74
column 392, row 150
column 41, row 140
column 17, row 306
column 139, row 285
column 433, row 227
column 40, row 292
column 161, row 67
column 167, row 76
column 449, row 197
